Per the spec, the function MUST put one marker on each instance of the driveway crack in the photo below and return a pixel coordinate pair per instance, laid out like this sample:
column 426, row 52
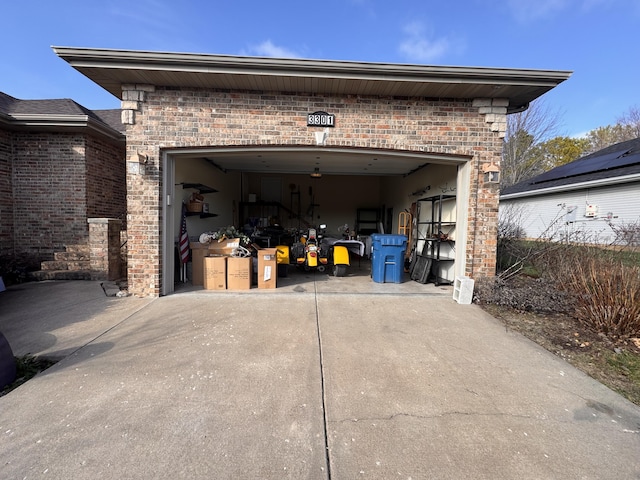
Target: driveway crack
column 429, row 417
column 322, row 385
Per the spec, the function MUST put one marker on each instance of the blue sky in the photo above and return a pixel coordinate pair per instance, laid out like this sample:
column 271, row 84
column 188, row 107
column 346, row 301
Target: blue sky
column 596, row 39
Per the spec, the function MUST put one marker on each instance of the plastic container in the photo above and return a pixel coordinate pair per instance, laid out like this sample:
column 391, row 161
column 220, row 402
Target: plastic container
column 387, row 257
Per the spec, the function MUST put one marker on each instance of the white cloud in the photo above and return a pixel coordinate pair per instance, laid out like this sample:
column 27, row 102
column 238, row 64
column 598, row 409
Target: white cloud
column 418, row 47
column 268, row 49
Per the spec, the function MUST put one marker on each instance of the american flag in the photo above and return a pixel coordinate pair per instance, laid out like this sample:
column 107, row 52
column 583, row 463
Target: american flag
column 184, row 236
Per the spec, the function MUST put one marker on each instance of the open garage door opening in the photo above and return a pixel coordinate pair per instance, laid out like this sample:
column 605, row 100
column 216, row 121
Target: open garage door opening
column 270, row 197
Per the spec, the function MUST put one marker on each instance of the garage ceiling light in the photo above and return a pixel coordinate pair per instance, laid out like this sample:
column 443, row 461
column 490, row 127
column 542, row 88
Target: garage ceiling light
column 316, row 173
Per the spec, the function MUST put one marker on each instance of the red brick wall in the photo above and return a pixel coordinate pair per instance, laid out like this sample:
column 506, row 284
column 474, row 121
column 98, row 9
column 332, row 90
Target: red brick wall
column 59, row 179
column 49, row 194
column 106, row 180
column 169, row 118
column 6, row 196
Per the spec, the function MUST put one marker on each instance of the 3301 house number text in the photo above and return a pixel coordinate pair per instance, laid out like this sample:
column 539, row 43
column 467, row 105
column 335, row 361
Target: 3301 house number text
column 320, row 119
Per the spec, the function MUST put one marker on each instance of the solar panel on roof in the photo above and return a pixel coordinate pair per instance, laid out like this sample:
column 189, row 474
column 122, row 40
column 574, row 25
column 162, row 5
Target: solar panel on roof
column 620, row 158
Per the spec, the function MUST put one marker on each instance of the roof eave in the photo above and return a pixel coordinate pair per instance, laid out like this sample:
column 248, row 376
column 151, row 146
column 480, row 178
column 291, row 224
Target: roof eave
column 99, row 65
column 572, row 187
column 329, row 68
column 63, row 122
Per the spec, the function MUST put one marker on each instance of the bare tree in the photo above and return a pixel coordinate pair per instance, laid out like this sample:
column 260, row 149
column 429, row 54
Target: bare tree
column 525, row 131
column 603, row 137
column 631, row 119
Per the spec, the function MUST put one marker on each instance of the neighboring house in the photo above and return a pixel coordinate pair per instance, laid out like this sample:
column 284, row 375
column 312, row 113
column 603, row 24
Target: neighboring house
column 595, row 199
column 60, row 165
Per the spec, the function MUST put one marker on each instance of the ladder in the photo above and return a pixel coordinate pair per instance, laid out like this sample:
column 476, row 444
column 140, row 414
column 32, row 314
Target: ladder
column 405, row 227
column 405, row 224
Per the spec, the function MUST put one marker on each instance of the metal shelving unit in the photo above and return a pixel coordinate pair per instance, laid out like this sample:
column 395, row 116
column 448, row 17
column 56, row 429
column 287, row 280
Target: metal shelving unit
column 367, row 220
column 435, row 240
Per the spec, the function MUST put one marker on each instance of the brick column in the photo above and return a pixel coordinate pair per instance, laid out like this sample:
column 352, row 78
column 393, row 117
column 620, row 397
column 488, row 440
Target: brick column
column 104, row 248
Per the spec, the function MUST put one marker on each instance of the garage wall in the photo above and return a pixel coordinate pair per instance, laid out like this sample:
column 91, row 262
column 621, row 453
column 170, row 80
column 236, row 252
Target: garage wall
column 223, row 203
column 160, row 118
column 401, row 192
column 337, row 197
column 340, row 197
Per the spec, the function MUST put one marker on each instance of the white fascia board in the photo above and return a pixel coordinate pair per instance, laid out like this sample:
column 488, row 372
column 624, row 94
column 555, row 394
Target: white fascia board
column 575, row 186
column 65, row 121
column 210, row 63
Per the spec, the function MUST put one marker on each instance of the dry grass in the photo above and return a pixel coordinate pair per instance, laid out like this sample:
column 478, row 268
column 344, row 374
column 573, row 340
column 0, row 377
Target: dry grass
column 607, row 296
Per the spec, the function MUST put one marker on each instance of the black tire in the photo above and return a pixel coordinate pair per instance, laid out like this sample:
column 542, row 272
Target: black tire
column 283, row 270
column 340, row 270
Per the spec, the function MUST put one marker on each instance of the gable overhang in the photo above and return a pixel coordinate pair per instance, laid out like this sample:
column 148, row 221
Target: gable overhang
column 111, row 69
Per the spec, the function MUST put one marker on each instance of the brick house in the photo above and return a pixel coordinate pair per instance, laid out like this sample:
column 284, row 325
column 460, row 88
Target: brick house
column 60, row 165
column 241, row 125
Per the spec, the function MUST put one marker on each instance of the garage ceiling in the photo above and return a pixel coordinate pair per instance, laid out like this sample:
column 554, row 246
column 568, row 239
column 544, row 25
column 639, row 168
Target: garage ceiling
column 329, row 161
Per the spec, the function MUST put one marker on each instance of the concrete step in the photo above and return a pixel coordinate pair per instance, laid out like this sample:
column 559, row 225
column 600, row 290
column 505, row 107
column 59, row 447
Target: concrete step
column 71, row 256
column 82, row 249
column 65, row 265
column 43, row 275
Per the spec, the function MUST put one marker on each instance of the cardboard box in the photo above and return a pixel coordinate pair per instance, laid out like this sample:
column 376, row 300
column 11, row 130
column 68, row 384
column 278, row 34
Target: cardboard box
column 198, row 252
column 267, row 268
column 239, row 273
column 215, row 273
column 224, row 247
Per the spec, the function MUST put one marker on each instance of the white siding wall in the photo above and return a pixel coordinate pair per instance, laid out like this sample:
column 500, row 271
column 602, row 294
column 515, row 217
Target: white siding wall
column 563, row 215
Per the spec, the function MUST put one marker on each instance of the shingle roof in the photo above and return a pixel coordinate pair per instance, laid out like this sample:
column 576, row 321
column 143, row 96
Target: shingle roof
column 113, row 118
column 6, row 101
column 13, row 107
column 617, row 160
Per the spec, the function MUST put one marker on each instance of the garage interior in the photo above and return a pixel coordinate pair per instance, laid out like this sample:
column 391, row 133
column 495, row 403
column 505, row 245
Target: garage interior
column 273, row 194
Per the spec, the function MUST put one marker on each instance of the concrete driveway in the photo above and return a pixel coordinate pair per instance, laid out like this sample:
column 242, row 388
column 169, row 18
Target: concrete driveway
column 331, row 378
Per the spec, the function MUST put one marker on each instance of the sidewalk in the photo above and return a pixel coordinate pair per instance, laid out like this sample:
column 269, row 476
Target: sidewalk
column 318, row 383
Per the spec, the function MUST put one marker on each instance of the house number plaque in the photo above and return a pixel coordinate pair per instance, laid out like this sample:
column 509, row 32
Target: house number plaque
column 321, row 119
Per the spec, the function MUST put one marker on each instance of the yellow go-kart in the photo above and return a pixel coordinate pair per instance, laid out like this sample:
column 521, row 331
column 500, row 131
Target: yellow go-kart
column 311, row 253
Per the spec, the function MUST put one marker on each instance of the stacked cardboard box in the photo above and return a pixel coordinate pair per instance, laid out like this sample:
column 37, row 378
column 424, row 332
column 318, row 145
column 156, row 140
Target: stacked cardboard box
column 215, row 272
column 267, row 268
column 216, row 269
column 238, row 273
column 201, row 250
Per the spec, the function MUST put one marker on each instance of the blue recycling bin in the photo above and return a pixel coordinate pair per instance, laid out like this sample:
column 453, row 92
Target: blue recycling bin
column 387, row 257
